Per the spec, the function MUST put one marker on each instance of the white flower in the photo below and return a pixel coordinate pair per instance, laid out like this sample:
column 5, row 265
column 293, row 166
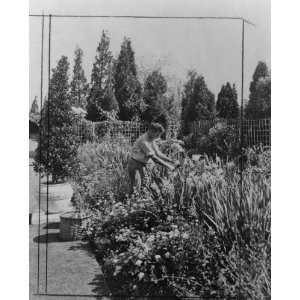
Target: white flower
column 174, row 233
column 138, row 262
column 167, row 255
column 151, row 238
column 169, row 218
column 185, row 235
column 117, row 270
column 141, row 275
column 141, row 256
column 157, row 257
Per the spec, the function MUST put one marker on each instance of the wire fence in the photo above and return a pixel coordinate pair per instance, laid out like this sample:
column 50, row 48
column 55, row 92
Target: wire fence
column 255, row 132
column 127, row 130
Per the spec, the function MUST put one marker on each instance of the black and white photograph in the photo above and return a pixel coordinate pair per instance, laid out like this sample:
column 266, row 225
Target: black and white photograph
column 149, row 149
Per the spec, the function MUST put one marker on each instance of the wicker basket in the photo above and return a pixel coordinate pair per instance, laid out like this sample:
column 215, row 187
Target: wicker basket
column 72, row 226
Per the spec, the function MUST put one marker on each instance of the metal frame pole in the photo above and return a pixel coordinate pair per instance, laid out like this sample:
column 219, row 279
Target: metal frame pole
column 242, row 85
column 242, row 130
column 40, row 153
column 48, row 141
column 242, row 112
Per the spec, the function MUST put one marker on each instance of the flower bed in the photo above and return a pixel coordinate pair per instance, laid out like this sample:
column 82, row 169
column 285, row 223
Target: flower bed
column 188, row 234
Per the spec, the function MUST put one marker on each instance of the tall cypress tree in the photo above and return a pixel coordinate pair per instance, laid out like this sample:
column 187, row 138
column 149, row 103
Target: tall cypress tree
column 198, row 102
column 227, row 106
column 79, row 86
column 259, row 104
column 155, row 87
column 58, row 142
column 127, row 86
column 102, row 97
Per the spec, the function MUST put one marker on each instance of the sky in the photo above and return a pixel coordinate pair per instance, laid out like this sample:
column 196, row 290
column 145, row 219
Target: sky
column 211, row 47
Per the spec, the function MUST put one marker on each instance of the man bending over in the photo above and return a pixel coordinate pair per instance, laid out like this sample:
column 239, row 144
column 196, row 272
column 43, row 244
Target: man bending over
column 144, row 149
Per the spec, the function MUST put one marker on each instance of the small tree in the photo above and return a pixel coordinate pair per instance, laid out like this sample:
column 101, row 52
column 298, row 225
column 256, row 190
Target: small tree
column 227, row 106
column 198, row 102
column 79, row 86
column 58, row 143
column 259, row 104
column 102, row 97
column 34, row 106
column 127, row 86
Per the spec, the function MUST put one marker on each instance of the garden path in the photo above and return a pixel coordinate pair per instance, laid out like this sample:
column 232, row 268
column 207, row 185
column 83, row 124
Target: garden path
column 72, row 268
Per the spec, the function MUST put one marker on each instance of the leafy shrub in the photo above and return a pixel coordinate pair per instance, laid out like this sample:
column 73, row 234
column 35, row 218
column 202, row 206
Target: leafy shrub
column 56, row 153
column 184, row 259
column 102, row 172
column 259, row 157
column 221, row 140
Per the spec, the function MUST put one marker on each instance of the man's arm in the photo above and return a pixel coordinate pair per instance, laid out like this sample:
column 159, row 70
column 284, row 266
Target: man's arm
column 162, row 162
column 160, row 155
column 151, row 153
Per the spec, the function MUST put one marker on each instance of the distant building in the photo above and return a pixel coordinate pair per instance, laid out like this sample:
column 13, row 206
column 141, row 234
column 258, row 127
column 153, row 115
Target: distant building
column 79, row 111
column 34, row 126
column 34, row 120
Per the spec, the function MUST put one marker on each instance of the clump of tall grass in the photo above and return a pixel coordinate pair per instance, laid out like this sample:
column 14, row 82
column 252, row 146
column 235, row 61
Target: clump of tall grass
column 215, row 191
column 237, row 208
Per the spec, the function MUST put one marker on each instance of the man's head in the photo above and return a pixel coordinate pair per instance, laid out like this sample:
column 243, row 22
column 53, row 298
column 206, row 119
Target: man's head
column 155, row 131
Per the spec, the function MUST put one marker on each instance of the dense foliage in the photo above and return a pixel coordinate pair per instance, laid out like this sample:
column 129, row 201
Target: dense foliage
column 259, row 105
column 227, row 106
column 58, row 142
column 222, row 140
column 101, row 172
column 198, row 102
column 189, row 233
column 158, row 106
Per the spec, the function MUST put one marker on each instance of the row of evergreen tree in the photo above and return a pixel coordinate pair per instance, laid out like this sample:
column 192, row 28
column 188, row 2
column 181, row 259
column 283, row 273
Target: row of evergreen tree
column 114, row 87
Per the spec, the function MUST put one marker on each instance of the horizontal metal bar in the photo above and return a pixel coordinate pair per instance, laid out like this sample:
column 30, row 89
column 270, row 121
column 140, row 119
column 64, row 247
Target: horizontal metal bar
column 248, row 22
column 71, row 295
column 110, row 295
column 144, row 17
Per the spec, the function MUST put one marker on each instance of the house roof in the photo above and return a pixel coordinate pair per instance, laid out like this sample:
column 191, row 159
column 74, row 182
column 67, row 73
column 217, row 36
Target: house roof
column 79, row 111
column 34, row 118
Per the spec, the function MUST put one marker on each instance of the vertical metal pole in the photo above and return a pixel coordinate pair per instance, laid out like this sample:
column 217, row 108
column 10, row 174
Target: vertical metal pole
column 40, row 153
column 242, row 133
column 242, row 85
column 48, row 137
column 242, row 113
